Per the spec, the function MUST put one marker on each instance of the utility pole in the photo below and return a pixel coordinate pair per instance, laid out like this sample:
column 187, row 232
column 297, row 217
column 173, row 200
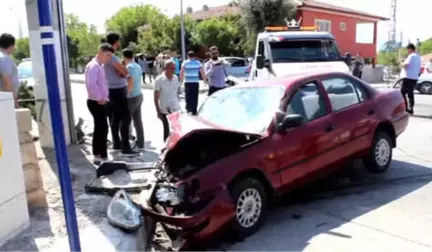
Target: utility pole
column 183, row 42
column 392, row 29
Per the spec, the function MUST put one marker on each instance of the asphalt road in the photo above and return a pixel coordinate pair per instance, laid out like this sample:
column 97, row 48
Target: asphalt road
column 354, row 211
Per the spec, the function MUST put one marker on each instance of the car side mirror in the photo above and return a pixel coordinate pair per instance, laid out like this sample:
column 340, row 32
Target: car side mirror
column 260, row 62
column 288, row 122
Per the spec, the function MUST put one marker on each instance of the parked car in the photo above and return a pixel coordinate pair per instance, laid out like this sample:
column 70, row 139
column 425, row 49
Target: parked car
column 423, row 86
column 424, row 83
column 25, row 73
column 238, row 67
column 260, row 139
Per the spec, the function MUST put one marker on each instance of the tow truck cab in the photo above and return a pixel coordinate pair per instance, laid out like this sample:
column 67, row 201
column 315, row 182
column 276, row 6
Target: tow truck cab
column 283, row 50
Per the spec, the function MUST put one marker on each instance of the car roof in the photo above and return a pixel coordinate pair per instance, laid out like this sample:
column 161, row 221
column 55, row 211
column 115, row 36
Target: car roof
column 286, row 81
column 298, row 35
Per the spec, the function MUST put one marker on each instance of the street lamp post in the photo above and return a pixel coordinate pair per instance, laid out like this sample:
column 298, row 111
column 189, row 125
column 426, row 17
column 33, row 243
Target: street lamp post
column 183, row 42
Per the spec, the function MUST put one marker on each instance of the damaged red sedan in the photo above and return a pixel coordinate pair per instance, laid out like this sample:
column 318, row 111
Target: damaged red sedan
column 253, row 141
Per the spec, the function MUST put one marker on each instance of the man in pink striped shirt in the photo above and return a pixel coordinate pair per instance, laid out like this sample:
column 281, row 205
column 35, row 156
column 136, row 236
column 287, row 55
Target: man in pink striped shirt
column 97, row 102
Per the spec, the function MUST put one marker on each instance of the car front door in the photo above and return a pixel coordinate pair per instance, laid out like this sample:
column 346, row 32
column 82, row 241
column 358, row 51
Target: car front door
column 353, row 111
column 301, row 151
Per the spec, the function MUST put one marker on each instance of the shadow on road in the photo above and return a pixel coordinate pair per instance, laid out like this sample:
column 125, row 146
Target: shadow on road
column 325, row 205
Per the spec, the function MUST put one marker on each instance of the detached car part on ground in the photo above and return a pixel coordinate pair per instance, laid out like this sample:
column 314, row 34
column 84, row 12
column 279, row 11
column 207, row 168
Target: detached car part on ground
column 220, row 169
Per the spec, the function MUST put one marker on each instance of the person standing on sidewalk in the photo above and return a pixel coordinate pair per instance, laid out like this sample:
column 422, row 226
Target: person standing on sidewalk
column 410, row 71
column 97, row 101
column 117, row 75
column 215, row 69
column 135, row 97
column 190, row 75
column 166, row 99
column 9, row 81
column 144, row 66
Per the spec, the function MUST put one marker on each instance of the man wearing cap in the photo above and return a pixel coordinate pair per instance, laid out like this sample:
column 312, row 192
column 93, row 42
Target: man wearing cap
column 410, row 70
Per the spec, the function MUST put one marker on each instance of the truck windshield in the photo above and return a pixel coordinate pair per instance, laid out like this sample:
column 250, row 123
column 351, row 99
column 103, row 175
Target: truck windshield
column 304, row 51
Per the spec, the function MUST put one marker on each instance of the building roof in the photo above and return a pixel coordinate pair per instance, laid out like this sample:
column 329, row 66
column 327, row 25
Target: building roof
column 219, row 11
column 335, row 8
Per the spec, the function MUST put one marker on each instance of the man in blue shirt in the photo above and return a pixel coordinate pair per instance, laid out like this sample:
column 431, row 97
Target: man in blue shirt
column 215, row 69
column 190, row 75
column 410, row 72
column 135, row 97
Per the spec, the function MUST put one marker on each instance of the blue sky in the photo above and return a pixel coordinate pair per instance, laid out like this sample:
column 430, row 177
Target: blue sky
column 411, row 17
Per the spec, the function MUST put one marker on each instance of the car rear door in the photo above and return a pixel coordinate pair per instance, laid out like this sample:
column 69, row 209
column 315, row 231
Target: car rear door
column 354, row 113
column 303, row 150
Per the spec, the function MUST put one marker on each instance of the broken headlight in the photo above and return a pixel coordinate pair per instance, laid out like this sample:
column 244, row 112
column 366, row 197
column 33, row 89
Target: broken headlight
column 122, row 212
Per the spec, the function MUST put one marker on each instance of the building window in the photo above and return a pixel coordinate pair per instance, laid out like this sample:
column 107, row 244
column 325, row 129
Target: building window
column 323, row 25
column 342, row 26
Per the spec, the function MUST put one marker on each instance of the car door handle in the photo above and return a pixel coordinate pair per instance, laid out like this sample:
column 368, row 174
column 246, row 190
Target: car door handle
column 371, row 112
column 329, row 128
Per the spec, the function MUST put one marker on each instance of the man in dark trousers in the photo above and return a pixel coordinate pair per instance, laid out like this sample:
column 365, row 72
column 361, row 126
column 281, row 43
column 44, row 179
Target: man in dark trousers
column 116, row 76
column 410, row 70
column 190, row 74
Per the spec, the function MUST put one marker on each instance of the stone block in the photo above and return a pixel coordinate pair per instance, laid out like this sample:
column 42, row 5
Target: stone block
column 32, row 177
column 28, row 154
column 25, row 137
column 14, row 217
column 24, row 119
column 36, row 198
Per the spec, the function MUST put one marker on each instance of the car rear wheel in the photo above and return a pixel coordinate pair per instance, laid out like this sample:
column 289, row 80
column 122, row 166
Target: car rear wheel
column 380, row 155
column 425, row 87
column 250, row 202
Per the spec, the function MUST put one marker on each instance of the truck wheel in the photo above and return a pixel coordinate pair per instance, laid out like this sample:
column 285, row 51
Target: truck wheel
column 250, row 201
column 425, row 87
column 380, row 155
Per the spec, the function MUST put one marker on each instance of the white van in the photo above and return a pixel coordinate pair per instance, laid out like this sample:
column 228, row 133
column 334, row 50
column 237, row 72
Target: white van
column 283, row 51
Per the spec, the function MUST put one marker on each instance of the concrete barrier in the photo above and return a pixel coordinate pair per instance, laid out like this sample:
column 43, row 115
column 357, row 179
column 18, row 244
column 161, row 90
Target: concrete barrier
column 29, row 159
column 14, row 215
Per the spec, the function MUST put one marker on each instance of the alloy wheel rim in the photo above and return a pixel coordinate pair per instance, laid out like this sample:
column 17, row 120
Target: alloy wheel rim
column 427, row 88
column 248, row 209
column 382, row 152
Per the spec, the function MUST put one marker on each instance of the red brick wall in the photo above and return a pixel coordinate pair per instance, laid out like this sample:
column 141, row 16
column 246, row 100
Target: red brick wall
column 346, row 40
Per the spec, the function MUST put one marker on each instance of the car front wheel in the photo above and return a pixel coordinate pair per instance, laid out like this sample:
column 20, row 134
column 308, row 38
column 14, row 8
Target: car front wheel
column 380, row 155
column 250, row 202
column 425, row 87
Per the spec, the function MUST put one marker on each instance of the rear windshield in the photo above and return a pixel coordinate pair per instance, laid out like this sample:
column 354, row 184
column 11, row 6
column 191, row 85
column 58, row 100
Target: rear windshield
column 304, row 51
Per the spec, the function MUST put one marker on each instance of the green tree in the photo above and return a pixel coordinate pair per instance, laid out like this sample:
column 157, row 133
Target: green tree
column 129, row 20
column 218, row 32
column 426, row 47
column 261, row 13
column 22, row 49
column 83, row 40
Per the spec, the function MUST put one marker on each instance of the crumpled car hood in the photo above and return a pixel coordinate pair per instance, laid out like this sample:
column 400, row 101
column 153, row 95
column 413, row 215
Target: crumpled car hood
column 183, row 125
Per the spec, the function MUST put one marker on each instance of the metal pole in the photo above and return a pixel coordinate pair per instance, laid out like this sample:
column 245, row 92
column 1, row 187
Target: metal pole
column 65, row 61
column 49, row 56
column 183, row 42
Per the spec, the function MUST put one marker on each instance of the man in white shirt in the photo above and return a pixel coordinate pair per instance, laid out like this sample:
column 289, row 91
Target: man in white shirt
column 166, row 94
column 410, row 72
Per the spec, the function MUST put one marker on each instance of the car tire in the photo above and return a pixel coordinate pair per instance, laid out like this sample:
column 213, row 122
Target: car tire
column 250, row 201
column 425, row 87
column 380, row 155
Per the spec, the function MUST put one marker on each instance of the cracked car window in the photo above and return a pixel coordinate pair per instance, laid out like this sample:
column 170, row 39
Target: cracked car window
column 243, row 109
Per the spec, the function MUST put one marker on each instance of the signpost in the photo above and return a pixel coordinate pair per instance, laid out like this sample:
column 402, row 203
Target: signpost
column 51, row 77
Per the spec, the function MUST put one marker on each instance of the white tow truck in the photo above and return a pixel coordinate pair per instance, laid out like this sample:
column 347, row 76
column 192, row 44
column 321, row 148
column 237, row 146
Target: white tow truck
column 291, row 49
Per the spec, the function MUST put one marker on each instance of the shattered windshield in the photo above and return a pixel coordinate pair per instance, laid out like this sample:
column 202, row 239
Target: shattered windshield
column 243, row 109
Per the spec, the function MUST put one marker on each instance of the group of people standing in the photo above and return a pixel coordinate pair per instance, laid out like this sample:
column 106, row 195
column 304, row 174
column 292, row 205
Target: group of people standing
column 114, row 92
